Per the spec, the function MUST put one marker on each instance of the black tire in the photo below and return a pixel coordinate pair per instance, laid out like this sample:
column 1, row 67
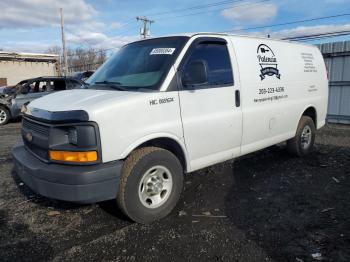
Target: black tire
column 4, row 115
column 135, row 168
column 297, row 145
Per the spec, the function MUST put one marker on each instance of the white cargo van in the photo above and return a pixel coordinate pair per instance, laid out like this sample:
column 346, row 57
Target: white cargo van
column 166, row 106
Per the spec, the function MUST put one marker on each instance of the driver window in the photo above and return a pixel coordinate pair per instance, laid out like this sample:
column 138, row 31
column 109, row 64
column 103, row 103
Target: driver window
column 216, row 57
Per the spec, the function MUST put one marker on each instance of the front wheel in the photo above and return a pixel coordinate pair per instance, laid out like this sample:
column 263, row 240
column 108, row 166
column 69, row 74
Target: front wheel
column 304, row 139
column 150, row 185
column 4, row 115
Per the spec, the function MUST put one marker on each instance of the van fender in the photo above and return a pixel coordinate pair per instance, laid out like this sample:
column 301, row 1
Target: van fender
column 301, row 114
column 152, row 136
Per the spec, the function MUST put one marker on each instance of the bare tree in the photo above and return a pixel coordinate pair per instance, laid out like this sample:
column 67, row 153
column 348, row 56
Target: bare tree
column 54, row 50
column 81, row 59
column 86, row 59
column 101, row 56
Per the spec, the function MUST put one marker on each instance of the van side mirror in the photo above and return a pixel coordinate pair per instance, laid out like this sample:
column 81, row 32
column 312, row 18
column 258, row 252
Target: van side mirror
column 195, row 73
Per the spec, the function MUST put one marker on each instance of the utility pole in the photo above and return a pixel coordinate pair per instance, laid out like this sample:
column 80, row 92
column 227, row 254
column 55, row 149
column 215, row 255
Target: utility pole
column 64, row 44
column 145, row 30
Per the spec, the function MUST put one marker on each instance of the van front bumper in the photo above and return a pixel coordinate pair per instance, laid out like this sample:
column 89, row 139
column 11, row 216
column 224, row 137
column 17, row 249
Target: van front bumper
column 80, row 184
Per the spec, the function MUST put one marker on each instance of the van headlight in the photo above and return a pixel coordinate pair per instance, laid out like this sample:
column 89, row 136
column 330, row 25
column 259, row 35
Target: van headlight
column 73, row 136
column 78, row 143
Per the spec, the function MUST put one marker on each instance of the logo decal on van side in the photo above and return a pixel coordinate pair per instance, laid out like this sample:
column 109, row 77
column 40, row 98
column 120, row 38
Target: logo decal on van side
column 267, row 62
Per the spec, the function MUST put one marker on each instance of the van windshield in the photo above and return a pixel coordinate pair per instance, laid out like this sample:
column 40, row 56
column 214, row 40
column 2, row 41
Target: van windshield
column 139, row 65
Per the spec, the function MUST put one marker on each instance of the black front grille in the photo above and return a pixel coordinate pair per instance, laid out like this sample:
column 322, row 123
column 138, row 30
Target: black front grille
column 36, row 127
column 37, row 151
column 36, row 137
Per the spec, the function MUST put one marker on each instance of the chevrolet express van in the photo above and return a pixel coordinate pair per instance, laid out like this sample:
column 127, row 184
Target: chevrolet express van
column 163, row 107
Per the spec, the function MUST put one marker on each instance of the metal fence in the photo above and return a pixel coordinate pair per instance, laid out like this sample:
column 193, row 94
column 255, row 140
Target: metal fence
column 337, row 58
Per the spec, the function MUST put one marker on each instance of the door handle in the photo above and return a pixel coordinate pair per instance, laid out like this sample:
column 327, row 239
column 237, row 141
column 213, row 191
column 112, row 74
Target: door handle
column 238, row 98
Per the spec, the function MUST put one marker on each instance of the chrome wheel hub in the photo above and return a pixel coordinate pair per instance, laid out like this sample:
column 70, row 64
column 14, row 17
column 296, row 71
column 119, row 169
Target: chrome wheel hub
column 155, row 186
column 306, row 137
column 2, row 116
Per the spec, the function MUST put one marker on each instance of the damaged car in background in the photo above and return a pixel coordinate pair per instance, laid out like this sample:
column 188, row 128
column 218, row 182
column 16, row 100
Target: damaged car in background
column 12, row 98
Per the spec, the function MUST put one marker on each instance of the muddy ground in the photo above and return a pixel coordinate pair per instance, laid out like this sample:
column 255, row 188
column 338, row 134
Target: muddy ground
column 267, row 206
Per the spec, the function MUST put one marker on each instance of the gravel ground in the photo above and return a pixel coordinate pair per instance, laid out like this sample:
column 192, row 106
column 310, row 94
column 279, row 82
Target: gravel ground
column 267, row 206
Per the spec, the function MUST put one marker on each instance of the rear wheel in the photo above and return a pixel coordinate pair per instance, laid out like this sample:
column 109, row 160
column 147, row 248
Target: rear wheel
column 150, row 185
column 4, row 115
column 304, row 139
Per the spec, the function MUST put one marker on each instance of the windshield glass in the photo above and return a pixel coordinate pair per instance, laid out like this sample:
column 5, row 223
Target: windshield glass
column 142, row 64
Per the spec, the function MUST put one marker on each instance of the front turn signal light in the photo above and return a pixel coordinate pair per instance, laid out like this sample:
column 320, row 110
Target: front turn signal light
column 69, row 156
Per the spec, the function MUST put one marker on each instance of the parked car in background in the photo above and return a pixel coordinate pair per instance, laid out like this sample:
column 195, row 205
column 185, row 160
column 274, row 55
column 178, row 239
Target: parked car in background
column 82, row 76
column 12, row 98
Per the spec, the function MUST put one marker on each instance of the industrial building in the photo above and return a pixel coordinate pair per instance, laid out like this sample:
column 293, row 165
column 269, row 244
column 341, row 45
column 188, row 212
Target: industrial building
column 337, row 59
column 15, row 67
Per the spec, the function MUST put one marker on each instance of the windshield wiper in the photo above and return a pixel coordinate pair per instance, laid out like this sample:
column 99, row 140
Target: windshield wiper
column 114, row 85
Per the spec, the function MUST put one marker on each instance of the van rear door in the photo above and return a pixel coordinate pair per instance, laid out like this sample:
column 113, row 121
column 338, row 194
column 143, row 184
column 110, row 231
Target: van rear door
column 210, row 108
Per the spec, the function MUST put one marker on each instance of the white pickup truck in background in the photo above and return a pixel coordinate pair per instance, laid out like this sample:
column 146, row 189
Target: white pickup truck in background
column 166, row 106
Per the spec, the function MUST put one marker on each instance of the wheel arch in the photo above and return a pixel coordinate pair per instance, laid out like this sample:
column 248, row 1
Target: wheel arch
column 311, row 112
column 165, row 141
column 7, row 108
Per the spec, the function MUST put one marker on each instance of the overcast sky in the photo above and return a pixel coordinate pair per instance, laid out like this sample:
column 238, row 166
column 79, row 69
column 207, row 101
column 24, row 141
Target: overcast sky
column 33, row 25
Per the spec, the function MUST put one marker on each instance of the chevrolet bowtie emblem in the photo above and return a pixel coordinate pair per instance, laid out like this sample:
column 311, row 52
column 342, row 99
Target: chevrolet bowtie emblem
column 29, row 137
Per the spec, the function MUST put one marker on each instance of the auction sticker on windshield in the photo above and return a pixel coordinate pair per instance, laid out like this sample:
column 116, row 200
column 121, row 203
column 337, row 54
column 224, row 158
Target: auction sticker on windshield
column 162, row 51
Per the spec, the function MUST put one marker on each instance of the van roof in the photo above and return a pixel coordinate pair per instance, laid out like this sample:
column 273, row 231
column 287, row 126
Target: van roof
column 233, row 35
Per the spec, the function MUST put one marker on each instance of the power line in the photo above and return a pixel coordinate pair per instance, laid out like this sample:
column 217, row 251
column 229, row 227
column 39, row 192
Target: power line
column 189, row 8
column 318, row 36
column 128, row 30
column 123, row 26
column 289, row 23
column 247, row 4
column 131, row 20
column 196, row 7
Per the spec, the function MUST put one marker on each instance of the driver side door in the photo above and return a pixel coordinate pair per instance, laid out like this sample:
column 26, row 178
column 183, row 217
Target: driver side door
column 210, row 111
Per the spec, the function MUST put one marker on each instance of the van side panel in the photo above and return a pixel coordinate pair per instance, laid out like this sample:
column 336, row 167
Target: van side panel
column 279, row 81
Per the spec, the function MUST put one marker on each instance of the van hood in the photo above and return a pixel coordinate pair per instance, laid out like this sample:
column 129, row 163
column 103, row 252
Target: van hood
column 89, row 101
